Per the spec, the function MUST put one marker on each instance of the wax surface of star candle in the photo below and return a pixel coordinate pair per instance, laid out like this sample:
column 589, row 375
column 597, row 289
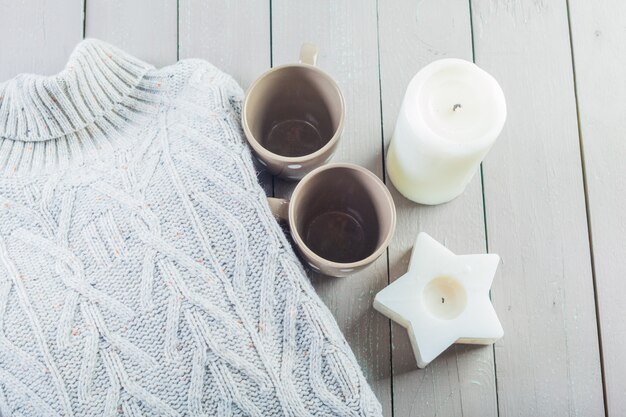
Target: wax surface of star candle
column 442, row 299
column 451, row 115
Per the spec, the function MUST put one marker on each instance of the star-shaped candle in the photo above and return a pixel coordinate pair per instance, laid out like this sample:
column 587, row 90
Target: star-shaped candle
column 442, row 299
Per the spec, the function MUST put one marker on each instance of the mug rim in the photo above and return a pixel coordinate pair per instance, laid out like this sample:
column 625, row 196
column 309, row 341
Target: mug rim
column 310, row 253
column 260, row 149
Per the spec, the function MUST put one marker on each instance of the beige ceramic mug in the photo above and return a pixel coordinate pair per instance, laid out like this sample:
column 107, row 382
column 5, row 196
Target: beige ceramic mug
column 293, row 116
column 341, row 216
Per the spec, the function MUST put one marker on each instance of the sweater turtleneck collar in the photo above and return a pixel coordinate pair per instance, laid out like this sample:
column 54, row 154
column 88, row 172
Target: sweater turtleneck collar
column 97, row 77
column 98, row 104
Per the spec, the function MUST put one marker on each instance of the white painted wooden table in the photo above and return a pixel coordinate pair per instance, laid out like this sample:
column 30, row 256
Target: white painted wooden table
column 550, row 198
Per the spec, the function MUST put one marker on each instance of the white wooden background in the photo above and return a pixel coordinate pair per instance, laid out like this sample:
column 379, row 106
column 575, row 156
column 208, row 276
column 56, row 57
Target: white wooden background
column 550, row 197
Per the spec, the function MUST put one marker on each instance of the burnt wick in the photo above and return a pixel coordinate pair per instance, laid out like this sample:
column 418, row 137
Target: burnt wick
column 456, row 106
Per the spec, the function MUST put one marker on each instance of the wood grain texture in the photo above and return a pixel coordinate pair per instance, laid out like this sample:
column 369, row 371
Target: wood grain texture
column 462, row 380
column 38, row 35
column 345, row 32
column 144, row 28
column 599, row 57
column 234, row 36
column 548, row 361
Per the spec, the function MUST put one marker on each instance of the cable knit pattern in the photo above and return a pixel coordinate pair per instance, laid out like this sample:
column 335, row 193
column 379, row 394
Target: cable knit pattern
column 141, row 271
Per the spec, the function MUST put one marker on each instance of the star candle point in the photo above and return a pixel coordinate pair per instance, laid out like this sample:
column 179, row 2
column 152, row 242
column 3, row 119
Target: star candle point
column 442, row 299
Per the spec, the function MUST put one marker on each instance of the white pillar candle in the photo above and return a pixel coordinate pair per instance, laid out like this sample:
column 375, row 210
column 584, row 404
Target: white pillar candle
column 451, row 115
column 442, row 299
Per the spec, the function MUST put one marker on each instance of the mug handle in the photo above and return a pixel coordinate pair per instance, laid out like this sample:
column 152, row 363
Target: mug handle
column 279, row 208
column 308, row 53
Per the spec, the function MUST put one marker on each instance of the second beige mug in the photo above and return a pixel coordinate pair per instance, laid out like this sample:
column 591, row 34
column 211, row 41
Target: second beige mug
column 293, row 116
column 341, row 216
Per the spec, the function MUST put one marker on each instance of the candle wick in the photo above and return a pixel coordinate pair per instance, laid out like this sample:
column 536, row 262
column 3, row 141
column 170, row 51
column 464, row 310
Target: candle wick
column 443, row 300
column 456, row 106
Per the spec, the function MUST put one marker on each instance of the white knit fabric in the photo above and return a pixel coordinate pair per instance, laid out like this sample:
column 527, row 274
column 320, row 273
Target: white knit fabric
column 141, row 271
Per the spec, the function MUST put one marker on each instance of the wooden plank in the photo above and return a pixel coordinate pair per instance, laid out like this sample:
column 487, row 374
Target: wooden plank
column 599, row 58
column 144, row 28
column 345, row 32
column 38, row 36
column 548, row 362
column 462, row 380
column 234, row 36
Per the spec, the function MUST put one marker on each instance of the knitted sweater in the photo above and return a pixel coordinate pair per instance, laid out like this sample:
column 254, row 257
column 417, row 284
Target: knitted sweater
column 141, row 271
